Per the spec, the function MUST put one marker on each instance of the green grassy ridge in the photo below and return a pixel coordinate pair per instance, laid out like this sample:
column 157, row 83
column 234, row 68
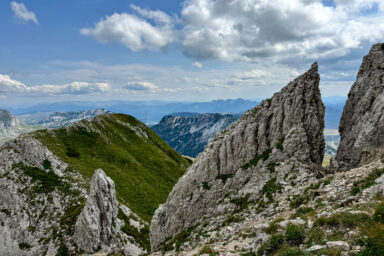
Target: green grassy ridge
column 144, row 169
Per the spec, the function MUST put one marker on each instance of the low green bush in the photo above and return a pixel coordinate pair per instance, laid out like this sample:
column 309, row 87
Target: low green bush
column 295, row 234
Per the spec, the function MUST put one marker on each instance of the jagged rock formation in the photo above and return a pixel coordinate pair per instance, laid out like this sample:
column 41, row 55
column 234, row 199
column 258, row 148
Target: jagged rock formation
column 96, row 225
column 284, row 131
column 362, row 123
column 189, row 135
column 309, row 216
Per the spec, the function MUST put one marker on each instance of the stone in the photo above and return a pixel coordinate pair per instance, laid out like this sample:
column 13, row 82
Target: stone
column 316, row 248
column 296, row 113
column 341, row 245
column 362, row 122
column 96, row 225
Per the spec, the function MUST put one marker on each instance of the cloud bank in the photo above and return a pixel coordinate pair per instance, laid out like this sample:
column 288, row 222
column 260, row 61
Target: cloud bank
column 10, row 86
column 250, row 30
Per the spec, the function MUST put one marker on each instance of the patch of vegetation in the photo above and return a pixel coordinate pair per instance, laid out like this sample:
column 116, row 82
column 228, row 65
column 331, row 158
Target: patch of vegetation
column 46, row 164
column 270, row 188
column 178, row 240
column 315, row 236
column 142, row 236
column 299, row 200
column 6, row 211
column 378, row 215
column 241, row 203
column 279, row 144
column 292, row 252
column 273, row 227
column 302, row 212
column 68, row 220
column 264, row 156
column 24, row 246
column 63, row 250
column 374, row 242
column 271, row 166
column 207, row 250
column 205, row 185
column 47, row 181
column 369, row 181
column 224, row 177
column 144, row 169
column 230, row 219
column 295, row 234
column 347, row 220
column 271, row 246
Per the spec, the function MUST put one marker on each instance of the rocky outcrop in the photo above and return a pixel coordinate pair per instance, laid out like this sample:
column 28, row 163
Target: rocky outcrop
column 96, row 225
column 284, row 131
column 189, row 135
column 7, row 120
column 362, row 123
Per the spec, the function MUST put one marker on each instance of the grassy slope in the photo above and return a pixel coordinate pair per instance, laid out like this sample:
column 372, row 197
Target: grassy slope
column 144, row 170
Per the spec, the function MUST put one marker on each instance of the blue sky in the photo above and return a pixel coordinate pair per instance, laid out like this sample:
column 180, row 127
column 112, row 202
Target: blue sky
column 196, row 50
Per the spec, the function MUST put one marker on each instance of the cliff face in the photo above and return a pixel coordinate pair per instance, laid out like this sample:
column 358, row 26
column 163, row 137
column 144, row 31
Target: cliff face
column 362, row 123
column 189, row 135
column 238, row 162
column 7, row 120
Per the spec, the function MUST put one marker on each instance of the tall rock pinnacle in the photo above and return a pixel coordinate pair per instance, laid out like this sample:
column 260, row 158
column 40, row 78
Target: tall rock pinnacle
column 228, row 164
column 362, row 123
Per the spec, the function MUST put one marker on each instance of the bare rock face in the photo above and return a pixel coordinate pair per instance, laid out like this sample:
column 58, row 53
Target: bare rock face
column 96, row 225
column 362, row 123
column 286, row 130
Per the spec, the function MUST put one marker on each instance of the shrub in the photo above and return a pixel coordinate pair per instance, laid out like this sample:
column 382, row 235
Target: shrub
column 303, row 211
column 347, row 220
column 292, row 252
column 271, row 166
column 63, row 250
column 299, row 200
column 315, row 236
column 207, row 250
column 271, row 246
column 378, row 215
column 279, row 144
column 241, row 203
column 205, row 185
column 46, row 164
column 270, row 188
column 24, row 246
column 294, row 234
column 224, row 177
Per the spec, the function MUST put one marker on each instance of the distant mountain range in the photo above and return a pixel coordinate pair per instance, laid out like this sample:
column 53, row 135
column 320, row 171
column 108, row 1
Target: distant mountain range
column 60, row 119
column 189, row 133
column 151, row 112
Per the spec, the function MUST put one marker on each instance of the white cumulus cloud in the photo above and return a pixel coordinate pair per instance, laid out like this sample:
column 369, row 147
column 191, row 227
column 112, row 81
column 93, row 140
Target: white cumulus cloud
column 141, row 86
column 135, row 32
column 22, row 13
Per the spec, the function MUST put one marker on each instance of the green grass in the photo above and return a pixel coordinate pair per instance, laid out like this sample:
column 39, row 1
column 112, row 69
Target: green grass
column 46, row 182
column 367, row 182
column 270, row 188
column 295, row 234
column 144, row 169
column 142, row 236
column 346, row 220
column 264, row 156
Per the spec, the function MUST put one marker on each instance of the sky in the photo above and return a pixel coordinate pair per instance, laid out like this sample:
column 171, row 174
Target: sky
column 192, row 50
